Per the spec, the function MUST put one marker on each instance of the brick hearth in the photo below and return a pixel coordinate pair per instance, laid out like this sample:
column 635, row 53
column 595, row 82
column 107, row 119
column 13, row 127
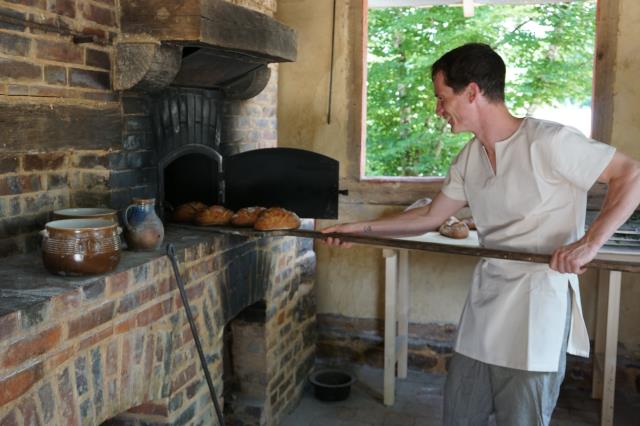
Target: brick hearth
column 83, row 350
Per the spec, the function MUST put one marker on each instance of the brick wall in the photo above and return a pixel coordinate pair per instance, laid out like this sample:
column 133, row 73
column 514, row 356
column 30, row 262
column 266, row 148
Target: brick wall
column 68, row 139
column 120, row 345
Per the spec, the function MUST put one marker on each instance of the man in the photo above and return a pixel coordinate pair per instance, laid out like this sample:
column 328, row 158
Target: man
column 525, row 181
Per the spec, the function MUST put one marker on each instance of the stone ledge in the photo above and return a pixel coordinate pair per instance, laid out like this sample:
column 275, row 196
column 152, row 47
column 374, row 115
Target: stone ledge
column 25, row 284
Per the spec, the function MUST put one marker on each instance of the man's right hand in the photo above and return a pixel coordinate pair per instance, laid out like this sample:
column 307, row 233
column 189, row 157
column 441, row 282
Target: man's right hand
column 341, row 228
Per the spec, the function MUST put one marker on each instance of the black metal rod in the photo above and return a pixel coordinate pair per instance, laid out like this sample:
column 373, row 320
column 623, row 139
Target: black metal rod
column 171, row 252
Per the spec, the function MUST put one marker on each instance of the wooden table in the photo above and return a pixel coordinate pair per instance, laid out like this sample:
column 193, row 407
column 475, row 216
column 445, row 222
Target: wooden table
column 609, row 262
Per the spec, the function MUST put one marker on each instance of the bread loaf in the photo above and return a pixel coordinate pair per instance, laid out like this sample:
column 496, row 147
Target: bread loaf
column 471, row 224
column 214, row 215
column 453, row 228
column 246, row 216
column 277, row 218
column 187, row 212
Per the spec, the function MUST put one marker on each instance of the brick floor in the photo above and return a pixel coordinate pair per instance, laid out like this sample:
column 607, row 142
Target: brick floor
column 419, row 403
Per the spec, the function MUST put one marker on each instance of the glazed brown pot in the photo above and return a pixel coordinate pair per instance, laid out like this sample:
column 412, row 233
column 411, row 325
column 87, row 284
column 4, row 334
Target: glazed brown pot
column 86, row 213
column 81, row 246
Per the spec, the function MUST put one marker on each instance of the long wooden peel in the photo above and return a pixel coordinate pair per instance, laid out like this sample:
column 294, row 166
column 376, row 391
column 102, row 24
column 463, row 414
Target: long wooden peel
column 613, row 265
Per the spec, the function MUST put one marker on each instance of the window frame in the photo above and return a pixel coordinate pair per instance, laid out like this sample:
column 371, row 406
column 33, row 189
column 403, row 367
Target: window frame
column 602, row 89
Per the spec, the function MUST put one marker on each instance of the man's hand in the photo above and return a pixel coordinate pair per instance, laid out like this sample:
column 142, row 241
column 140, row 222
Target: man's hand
column 572, row 258
column 342, row 228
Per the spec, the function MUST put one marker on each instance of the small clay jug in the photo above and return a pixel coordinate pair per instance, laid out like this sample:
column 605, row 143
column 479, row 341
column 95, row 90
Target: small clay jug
column 144, row 227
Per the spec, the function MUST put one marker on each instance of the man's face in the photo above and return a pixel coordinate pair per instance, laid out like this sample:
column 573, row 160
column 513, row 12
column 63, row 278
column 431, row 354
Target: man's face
column 450, row 106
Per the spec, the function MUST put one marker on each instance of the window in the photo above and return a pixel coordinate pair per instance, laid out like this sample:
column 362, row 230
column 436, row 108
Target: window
column 548, row 48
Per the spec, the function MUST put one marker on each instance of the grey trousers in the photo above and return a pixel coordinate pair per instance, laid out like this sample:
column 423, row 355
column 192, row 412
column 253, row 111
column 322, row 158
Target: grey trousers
column 475, row 390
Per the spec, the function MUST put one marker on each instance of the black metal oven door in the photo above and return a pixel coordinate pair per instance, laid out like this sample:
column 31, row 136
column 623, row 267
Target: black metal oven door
column 301, row 181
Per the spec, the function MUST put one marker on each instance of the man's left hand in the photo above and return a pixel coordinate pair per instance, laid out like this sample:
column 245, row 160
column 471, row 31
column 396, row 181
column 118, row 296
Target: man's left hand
column 572, row 258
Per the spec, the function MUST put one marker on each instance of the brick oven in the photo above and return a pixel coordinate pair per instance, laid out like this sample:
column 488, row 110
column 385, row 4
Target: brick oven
column 81, row 88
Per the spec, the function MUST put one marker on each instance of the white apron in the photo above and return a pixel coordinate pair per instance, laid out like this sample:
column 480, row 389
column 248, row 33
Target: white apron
column 535, row 202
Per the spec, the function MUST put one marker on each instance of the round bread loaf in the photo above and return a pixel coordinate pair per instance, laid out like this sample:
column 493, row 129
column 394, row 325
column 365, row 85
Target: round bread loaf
column 214, row 215
column 187, row 212
column 246, row 216
column 276, row 218
column 453, row 228
column 471, row 224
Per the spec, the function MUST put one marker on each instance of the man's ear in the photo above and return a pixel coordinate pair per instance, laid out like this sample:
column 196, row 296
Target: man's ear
column 472, row 91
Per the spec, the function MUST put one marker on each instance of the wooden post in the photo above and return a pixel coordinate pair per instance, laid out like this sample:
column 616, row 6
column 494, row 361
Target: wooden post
column 611, row 348
column 390, row 285
column 403, row 313
column 602, row 296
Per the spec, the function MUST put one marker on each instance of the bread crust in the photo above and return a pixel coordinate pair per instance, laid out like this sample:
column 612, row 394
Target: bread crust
column 246, row 216
column 187, row 212
column 453, row 228
column 214, row 215
column 277, row 218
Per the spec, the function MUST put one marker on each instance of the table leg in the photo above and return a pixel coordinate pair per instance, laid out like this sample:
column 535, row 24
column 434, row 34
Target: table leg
column 611, row 348
column 390, row 285
column 403, row 312
column 602, row 296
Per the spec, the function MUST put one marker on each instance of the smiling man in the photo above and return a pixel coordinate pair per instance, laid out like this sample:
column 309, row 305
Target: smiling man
column 525, row 181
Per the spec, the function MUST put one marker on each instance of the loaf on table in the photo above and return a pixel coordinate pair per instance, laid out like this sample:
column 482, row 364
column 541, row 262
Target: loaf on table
column 453, row 228
column 246, row 216
column 277, row 218
column 214, row 215
column 187, row 212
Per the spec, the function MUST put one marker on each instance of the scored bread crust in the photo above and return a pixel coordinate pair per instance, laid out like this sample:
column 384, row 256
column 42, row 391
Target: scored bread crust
column 187, row 212
column 277, row 218
column 246, row 216
column 214, row 215
column 453, row 228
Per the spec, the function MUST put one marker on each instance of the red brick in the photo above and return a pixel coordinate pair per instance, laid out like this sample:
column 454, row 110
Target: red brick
column 117, row 283
column 19, row 70
column 183, row 377
column 16, row 385
column 91, row 319
column 63, row 7
column 8, row 325
column 47, row 161
column 59, row 358
column 125, row 326
column 99, row 15
column 151, row 409
column 68, row 408
column 148, row 360
column 92, row 31
column 194, row 291
column 59, row 51
column 31, row 347
column 10, row 419
column 29, row 412
column 149, row 315
column 95, row 338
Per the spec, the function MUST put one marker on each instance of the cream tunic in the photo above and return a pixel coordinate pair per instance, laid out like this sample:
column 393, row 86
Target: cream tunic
column 535, row 202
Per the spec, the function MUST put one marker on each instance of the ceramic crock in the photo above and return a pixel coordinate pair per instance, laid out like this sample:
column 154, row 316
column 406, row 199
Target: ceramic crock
column 86, row 213
column 144, row 229
column 81, row 246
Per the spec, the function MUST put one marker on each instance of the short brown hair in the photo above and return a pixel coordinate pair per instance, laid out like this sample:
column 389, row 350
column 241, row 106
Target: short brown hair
column 473, row 62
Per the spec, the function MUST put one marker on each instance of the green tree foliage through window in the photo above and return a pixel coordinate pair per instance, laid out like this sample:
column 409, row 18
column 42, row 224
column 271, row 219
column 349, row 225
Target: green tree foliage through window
column 549, row 54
